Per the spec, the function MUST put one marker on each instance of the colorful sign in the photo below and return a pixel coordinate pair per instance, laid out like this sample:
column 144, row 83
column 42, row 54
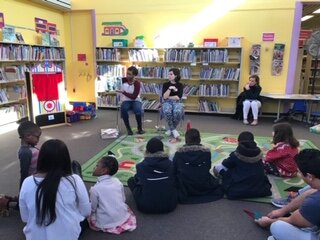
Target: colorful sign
column 1, row 20
column 52, row 28
column 277, row 61
column 268, row 36
column 41, row 25
column 82, row 57
column 114, row 29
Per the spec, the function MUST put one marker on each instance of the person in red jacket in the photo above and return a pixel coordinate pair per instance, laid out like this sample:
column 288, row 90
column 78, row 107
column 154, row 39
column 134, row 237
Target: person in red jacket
column 279, row 160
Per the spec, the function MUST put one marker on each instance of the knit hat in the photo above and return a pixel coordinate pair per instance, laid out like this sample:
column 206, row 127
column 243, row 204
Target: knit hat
column 245, row 137
column 154, row 145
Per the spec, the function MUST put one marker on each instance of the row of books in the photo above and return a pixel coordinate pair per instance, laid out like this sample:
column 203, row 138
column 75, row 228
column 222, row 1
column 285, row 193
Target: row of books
column 189, row 90
column 111, row 70
column 208, row 106
column 108, row 100
column 162, row 72
column 49, row 67
column 45, row 53
column 151, row 104
column 14, row 52
column 143, row 55
column 151, row 88
column 180, row 55
column 107, row 83
column 12, row 73
column 12, row 113
column 220, row 73
column 12, row 93
column 214, row 56
column 214, row 90
column 108, row 54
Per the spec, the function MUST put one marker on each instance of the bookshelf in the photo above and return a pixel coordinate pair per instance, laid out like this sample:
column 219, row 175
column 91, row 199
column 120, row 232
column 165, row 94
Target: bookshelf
column 14, row 58
column 308, row 69
column 210, row 75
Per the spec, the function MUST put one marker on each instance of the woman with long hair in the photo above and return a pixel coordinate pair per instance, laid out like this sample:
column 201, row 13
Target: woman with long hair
column 53, row 201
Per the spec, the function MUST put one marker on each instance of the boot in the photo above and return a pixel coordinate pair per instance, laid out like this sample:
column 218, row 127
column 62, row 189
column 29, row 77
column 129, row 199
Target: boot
column 139, row 123
column 126, row 123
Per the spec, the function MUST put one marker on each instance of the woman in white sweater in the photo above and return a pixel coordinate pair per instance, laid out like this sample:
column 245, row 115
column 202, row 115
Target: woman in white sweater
column 53, row 201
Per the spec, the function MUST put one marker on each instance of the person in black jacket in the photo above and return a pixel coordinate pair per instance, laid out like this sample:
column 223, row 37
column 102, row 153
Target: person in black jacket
column 192, row 164
column 242, row 172
column 251, row 96
column 153, row 187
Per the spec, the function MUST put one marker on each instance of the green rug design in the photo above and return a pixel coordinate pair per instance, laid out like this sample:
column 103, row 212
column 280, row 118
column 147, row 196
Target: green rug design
column 129, row 150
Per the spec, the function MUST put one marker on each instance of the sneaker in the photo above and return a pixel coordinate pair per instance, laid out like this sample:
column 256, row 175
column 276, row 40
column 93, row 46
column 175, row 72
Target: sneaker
column 281, row 202
column 175, row 133
column 130, row 132
column 168, row 133
column 245, row 122
column 254, row 123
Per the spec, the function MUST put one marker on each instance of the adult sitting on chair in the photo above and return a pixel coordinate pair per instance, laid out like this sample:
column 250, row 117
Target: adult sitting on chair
column 172, row 107
column 131, row 100
column 251, row 95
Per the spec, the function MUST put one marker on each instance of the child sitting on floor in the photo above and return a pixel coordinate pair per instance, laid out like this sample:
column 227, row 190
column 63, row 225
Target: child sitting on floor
column 109, row 212
column 279, row 160
column 242, row 172
column 153, row 187
column 192, row 164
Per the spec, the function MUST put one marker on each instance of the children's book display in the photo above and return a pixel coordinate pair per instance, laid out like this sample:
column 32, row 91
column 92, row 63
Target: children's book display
column 255, row 59
column 9, row 34
column 277, row 61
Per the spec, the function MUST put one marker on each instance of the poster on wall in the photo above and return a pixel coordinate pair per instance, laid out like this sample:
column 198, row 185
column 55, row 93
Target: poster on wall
column 52, row 28
column 1, row 20
column 41, row 25
column 114, row 29
column 277, row 60
column 254, row 58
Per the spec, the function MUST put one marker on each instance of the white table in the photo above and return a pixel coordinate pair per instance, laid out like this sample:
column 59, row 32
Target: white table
column 292, row 97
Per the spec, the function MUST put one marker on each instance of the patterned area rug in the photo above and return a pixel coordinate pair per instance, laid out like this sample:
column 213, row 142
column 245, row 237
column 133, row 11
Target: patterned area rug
column 129, row 150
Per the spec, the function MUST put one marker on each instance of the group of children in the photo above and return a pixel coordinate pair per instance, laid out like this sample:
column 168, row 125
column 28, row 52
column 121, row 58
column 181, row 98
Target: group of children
column 158, row 186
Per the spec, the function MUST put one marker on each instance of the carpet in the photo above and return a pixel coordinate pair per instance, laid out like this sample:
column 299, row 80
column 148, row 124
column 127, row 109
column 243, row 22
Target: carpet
column 129, row 150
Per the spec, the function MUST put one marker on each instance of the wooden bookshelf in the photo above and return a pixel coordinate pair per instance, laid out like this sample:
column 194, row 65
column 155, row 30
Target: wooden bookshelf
column 210, row 76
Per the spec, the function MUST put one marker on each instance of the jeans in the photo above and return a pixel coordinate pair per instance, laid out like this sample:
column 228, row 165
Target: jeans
column 136, row 107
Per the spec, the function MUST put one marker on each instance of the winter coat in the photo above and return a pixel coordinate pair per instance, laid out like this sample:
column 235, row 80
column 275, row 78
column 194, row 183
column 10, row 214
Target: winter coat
column 194, row 181
column 245, row 177
column 154, row 187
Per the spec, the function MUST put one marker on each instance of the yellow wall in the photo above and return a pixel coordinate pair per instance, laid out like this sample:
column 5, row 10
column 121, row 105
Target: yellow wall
column 249, row 19
column 21, row 14
column 81, row 74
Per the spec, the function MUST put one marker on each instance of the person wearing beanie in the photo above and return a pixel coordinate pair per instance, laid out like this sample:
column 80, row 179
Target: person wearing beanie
column 192, row 164
column 153, row 187
column 242, row 172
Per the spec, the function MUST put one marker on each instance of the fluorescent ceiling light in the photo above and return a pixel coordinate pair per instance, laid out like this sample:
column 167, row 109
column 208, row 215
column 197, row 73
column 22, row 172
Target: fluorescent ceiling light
column 305, row 18
column 317, row 11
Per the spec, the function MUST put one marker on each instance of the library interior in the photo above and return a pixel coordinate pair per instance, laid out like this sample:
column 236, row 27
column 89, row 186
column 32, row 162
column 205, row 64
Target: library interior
column 119, row 79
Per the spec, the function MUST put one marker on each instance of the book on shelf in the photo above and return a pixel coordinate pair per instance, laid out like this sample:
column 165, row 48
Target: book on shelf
column 45, row 39
column 19, row 37
column 54, row 42
column 9, row 34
